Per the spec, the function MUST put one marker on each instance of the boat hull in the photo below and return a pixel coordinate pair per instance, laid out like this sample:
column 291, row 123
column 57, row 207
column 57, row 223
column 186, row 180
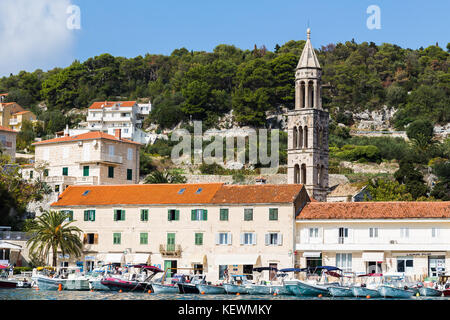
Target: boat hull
column 391, row 292
column 49, row 283
column 234, row 288
column 165, row 288
column 98, row 286
column 118, row 284
column 258, row 289
column 8, row 284
column 309, row 290
column 364, row 292
column 340, row 291
column 187, row 288
column 429, row 292
column 76, row 285
column 208, row 289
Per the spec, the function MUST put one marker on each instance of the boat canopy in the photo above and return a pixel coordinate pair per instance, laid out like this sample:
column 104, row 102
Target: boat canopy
column 260, row 269
column 328, row 268
column 371, row 275
column 292, row 270
column 146, row 267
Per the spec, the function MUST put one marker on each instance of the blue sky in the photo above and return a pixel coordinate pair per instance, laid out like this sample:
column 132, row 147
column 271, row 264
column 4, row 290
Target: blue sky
column 136, row 27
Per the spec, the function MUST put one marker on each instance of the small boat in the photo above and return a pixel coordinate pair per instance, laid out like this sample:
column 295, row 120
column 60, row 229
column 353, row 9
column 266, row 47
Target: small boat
column 337, row 291
column 44, row 282
column 363, row 292
column 165, row 288
column 8, row 283
column 237, row 284
column 210, row 289
column 190, row 286
column 429, row 292
column 310, row 289
column 387, row 291
column 132, row 284
column 266, row 288
column 23, row 283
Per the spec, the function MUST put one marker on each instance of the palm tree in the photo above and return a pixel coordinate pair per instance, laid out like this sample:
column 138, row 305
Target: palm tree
column 164, row 177
column 52, row 231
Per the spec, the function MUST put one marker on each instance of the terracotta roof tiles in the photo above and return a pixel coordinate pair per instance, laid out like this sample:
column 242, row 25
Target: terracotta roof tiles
column 375, row 210
column 85, row 136
column 202, row 193
column 99, row 104
column 7, row 129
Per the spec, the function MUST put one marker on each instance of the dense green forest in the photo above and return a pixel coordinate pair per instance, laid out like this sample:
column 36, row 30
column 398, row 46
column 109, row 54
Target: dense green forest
column 205, row 85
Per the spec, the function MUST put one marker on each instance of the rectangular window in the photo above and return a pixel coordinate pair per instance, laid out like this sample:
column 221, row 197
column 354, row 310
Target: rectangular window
column 119, row 215
column 405, row 264
column 344, row 261
column 89, row 215
column 91, row 238
column 130, row 153
column 373, row 232
column 248, row 238
column 57, row 188
column 223, row 238
column 248, row 214
column 171, row 242
column 116, row 238
column 143, row 238
column 223, row 214
column 199, row 215
column 31, row 174
column 173, row 215
column 110, row 172
column 65, row 171
column 404, row 232
column 313, row 232
column 85, row 171
column 69, row 214
column 199, row 239
column 434, row 232
column 144, row 214
column 129, row 174
column 273, row 214
column 343, row 233
column 274, row 239
column 45, row 172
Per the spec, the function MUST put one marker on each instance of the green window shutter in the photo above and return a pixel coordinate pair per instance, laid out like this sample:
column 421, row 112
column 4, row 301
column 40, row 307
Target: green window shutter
column 193, row 215
column 116, row 238
column 129, row 174
column 168, row 214
column 199, row 239
column 205, row 215
column 224, row 214
column 70, row 215
column 115, row 215
column 86, row 215
column 123, row 215
column 144, row 214
column 144, row 238
column 86, row 171
column 65, row 171
column 177, row 214
column 92, row 215
column 273, row 214
column 248, row 214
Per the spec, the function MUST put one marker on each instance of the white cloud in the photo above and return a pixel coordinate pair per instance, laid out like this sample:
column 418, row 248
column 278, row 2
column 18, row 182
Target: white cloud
column 34, row 34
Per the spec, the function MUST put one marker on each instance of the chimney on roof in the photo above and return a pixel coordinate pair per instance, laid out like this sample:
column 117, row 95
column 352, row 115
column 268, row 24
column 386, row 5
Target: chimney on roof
column 118, row 133
column 66, row 131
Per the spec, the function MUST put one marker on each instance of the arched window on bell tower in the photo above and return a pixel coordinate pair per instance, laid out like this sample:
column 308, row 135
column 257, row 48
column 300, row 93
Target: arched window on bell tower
column 303, row 173
column 296, row 174
column 294, row 138
column 305, row 137
column 300, row 138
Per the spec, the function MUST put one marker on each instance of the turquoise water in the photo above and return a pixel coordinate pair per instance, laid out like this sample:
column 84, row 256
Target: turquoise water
column 32, row 294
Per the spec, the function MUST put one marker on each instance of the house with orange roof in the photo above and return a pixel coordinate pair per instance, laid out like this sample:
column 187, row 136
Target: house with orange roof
column 7, row 110
column 8, row 142
column 397, row 238
column 92, row 158
column 212, row 227
column 16, row 120
column 107, row 116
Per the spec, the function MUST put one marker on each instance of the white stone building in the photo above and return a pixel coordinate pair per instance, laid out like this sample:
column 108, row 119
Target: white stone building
column 106, row 116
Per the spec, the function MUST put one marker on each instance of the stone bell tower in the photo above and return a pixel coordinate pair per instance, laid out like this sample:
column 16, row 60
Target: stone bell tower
column 308, row 128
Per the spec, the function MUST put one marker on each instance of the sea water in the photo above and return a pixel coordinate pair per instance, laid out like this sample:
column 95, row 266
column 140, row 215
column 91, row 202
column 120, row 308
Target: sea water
column 33, row 294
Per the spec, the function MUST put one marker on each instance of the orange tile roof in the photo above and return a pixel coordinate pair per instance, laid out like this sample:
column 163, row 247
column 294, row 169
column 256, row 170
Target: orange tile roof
column 145, row 194
column 7, row 129
column 375, row 210
column 138, row 194
column 85, row 136
column 3, row 94
column 21, row 112
column 99, row 104
column 263, row 193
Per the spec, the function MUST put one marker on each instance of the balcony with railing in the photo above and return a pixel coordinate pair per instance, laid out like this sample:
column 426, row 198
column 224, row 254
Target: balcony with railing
column 60, row 179
column 103, row 158
column 87, row 181
column 170, row 250
column 13, row 122
column 14, row 235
